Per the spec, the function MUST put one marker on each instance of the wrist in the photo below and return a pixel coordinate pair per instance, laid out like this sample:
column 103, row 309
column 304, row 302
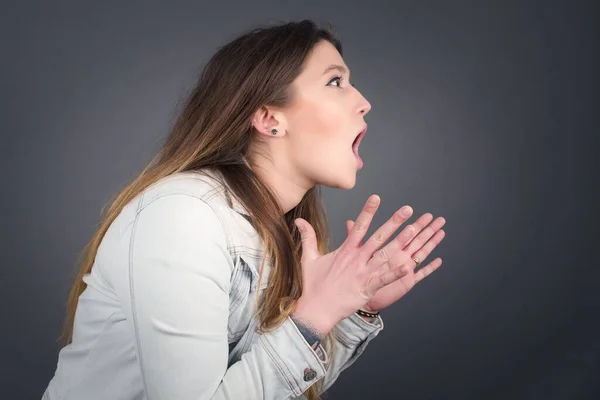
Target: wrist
column 312, row 314
column 368, row 309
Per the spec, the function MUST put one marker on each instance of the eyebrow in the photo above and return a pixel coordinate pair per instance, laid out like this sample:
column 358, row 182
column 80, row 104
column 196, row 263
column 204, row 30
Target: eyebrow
column 337, row 67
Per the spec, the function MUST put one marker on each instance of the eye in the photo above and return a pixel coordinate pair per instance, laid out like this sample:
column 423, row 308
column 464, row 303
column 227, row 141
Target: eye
column 339, row 79
column 336, row 78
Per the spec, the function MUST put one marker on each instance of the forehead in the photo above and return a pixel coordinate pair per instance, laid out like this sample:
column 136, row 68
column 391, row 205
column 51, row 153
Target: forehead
column 322, row 56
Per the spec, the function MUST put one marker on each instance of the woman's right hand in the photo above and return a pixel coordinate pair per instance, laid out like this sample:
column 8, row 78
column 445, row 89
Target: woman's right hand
column 336, row 284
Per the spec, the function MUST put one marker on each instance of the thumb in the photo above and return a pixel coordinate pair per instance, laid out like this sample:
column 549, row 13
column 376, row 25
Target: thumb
column 349, row 225
column 310, row 250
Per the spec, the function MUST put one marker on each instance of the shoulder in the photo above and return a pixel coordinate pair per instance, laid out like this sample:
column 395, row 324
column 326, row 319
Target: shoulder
column 196, row 204
column 204, row 185
column 190, row 196
column 194, row 197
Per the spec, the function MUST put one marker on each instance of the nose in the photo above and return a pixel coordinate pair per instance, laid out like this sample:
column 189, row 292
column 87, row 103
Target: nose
column 363, row 105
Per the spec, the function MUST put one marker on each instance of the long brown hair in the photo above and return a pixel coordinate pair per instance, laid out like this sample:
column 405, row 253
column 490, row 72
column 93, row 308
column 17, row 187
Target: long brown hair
column 214, row 130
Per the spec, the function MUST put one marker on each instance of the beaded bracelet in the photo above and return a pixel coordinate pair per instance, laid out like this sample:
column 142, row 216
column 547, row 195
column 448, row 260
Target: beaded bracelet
column 367, row 314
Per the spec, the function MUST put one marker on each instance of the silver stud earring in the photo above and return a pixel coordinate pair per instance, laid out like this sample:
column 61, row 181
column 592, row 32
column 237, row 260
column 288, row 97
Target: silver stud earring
column 274, row 131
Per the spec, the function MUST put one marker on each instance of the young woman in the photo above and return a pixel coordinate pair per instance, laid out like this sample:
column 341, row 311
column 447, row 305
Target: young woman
column 210, row 275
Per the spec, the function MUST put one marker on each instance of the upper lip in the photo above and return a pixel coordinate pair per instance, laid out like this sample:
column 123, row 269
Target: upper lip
column 362, row 131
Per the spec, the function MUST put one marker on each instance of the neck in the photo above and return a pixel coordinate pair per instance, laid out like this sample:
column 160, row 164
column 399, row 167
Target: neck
column 287, row 184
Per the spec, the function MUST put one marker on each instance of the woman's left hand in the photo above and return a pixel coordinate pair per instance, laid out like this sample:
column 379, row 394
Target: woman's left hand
column 419, row 246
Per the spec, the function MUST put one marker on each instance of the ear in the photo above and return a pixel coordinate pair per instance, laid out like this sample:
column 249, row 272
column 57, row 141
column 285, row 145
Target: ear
column 265, row 119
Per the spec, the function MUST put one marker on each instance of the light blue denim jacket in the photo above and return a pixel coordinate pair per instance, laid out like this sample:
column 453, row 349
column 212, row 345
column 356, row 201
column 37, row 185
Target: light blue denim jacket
column 168, row 312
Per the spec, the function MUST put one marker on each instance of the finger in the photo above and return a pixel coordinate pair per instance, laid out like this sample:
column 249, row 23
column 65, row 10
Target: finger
column 387, row 276
column 310, row 248
column 427, row 270
column 393, row 248
column 425, row 235
column 361, row 226
column 424, row 251
column 386, row 230
column 383, row 258
column 419, row 224
column 349, row 225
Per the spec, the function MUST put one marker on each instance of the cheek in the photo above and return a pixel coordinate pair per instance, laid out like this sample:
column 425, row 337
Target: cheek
column 320, row 120
column 320, row 126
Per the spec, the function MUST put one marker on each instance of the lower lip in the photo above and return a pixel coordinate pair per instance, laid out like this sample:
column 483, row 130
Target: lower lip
column 359, row 161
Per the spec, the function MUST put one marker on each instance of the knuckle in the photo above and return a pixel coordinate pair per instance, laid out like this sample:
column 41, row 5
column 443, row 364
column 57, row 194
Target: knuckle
column 385, row 267
column 408, row 232
column 429, row 231
column 382, row 255
column 359, row 226
column 382, row 279
column 379, row 236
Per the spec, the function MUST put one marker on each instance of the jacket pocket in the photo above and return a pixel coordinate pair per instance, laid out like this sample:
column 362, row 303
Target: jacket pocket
column 238, row 297
column 250, row 262
column 242, row 295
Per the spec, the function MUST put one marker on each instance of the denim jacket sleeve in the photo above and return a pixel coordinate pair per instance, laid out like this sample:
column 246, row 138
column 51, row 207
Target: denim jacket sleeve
column 352, row 335
column 179, row 272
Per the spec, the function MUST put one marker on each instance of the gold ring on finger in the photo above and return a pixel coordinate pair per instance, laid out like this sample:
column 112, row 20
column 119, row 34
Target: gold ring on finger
column 415, row 259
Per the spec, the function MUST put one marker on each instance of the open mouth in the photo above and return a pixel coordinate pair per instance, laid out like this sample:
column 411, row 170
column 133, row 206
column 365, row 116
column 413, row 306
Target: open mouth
column 358, row 139
column 355, row 145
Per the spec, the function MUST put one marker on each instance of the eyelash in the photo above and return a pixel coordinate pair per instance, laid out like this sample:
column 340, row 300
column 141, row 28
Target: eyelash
column 340, row 78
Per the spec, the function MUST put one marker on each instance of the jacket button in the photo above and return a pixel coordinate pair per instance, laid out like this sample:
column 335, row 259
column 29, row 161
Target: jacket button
column 309, row 374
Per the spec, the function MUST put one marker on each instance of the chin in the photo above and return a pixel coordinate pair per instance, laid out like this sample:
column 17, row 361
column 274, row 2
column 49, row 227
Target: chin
column 340, row 177
column 346, row 182
column 349, row 183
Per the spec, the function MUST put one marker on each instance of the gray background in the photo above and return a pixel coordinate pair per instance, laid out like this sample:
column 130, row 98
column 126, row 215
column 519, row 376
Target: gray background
column 483, row 112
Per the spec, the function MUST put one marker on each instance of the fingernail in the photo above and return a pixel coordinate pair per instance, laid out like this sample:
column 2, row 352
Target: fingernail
column 405, row 211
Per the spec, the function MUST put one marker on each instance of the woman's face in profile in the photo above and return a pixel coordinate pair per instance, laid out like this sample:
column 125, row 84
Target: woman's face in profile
column 323, row 119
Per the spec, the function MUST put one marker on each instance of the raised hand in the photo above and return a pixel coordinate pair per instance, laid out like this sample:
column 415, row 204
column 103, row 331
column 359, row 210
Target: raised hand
column 398, row 255
column 336, row 284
